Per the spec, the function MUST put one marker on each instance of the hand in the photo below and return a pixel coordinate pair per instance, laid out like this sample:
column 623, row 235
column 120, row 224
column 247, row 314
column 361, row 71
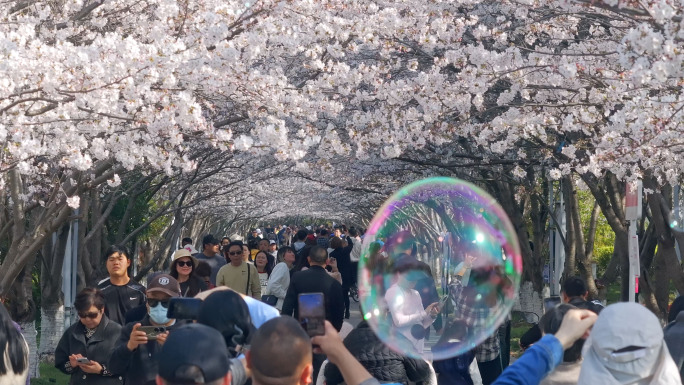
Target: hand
column 332, row 262
column 161, row 338
column 330, row 344
column 469, row 259
column 137, row 338
column 93, row 367
column 575, row 325
column 433, row 309
column 72, row 360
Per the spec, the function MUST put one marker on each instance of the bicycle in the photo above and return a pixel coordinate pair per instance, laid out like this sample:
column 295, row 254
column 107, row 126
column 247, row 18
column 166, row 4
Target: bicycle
column 354, row 293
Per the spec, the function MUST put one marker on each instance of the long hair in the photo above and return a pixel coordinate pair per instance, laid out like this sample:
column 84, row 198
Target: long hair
column 193, row 280
column 268, row 269
column 12, row 347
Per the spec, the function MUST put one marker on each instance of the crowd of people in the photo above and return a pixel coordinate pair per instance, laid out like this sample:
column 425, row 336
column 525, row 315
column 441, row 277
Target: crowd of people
column 246, row 326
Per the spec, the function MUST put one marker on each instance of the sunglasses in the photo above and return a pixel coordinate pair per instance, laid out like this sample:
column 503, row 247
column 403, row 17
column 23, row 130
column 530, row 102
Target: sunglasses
column 235, row 253
column 155, row 302
column 89, row 315
column 184, row 263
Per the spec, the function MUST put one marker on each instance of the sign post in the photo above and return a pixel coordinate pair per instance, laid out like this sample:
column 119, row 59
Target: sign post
column 633, row 203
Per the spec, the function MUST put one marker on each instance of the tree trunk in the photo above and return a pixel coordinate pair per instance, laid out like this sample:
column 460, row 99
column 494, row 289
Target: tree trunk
column 530, row 301
column 51, row 330
column 52, row 299
column 609, row 194
column 23, row 310
column 28, row 329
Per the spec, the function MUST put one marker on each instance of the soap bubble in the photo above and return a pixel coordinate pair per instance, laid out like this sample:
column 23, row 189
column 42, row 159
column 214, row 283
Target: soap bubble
column 675, row 219
column 440, row 246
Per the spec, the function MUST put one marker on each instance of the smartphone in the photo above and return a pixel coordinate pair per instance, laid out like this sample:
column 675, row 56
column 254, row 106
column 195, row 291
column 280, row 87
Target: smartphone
column 83, row 360
column 312, row 313
column 551, row 302
column 152, row 331
column 184, row 308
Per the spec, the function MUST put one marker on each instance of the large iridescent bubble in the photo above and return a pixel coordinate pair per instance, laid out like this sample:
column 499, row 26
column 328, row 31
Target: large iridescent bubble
column 440, row 254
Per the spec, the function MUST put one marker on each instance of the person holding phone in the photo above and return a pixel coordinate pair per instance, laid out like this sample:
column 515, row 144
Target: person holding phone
column 409, row 316
column 83, row 350
column 140, row 342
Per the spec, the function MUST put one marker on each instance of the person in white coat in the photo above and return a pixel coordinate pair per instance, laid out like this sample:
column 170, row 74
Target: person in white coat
column 279, row 280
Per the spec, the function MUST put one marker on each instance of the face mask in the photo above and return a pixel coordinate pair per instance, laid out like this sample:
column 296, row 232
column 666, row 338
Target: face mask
column 158, row 314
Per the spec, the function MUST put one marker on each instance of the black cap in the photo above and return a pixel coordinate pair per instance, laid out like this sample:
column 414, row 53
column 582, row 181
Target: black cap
column 198, row 346
column 210, row 239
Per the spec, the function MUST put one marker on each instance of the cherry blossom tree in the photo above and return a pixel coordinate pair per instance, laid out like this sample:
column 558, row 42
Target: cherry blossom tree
column 352, row 99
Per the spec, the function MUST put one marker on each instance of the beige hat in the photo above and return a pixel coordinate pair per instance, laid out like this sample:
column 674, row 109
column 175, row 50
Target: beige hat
column 180, row 253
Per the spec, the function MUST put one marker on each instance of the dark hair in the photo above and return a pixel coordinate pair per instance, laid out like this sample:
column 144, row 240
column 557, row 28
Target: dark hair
column 227, row 247
column 209, row 240
column 262, row 240
column 191, row 371
column 676, row 307
column 186, row 241
column 89, row 297
column 353, row 232
column 268, row 268
column 405, row 263
column 301, row 259
column 323, row 232
column 574, row 287
column 281, row 253
column 203, row 269
column 13, row 344
column 225, row 238
column 114, row 249
column 318, row 255
column 301, row 235
column 551, row 321
column 336, row 242
column 530, row 337
column 281, row 337
column 194, row 282
column 227, row 312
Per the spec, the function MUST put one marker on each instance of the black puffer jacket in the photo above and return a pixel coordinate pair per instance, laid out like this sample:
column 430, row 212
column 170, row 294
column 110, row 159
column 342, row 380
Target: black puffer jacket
column 383, row 364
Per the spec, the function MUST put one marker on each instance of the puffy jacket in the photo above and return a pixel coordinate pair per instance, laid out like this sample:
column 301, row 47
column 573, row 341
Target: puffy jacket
column 382, row 363
column 140, row 365
column 98, row 348
column 674, row 338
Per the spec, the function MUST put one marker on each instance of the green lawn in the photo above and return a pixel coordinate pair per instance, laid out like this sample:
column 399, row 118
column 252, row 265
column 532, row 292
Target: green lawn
column 49, row 375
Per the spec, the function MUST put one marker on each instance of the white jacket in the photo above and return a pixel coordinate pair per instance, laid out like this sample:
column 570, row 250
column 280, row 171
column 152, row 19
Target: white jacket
column 278, row 283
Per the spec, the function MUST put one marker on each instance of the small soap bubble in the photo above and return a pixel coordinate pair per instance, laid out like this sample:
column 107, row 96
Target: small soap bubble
column 440, row 254
column 676, row 219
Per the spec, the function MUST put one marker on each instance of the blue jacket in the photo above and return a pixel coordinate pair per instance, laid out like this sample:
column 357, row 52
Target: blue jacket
column 537, row 362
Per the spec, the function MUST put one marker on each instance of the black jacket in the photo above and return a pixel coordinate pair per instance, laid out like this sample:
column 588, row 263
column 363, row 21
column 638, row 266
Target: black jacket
column 382, row 363
column 140, row 366
column 98, row 348
column 120, row 299
column 316, row 280
column 344, row 263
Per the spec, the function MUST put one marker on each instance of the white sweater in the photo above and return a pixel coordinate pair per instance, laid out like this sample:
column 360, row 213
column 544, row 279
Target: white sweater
column 278, row 283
